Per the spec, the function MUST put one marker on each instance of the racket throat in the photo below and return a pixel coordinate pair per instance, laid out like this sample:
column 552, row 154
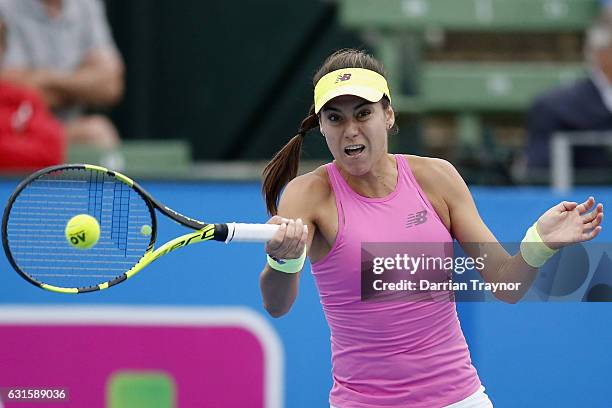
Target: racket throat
column 223, row 233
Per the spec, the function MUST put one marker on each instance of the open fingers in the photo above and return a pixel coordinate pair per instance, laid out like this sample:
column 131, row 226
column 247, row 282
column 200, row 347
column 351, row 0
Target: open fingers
column 586, row 206
column 587, row 218
column 586, row 236
column 595, row 220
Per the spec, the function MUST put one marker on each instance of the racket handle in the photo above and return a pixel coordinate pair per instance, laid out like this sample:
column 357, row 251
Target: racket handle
column 241, row 232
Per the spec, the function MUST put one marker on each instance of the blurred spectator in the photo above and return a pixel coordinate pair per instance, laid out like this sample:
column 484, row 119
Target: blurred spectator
column 64, row 49
column 606, row 6
column 585, row 105
column 30, row 137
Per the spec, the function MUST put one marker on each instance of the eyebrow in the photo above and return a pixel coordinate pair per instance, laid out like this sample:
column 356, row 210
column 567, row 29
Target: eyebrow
column 331, row 108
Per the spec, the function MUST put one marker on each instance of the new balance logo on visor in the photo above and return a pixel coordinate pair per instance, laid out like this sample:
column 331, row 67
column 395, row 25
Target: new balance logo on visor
column 343, row 77
column 416, row 219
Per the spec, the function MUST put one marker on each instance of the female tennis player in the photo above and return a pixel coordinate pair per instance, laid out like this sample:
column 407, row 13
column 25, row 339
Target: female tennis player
column 387, row 354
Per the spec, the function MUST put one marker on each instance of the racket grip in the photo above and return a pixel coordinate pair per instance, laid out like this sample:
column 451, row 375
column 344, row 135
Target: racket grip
column 241, row 232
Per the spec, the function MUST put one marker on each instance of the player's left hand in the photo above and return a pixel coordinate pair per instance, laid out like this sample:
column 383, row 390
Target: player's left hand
column 570, row 222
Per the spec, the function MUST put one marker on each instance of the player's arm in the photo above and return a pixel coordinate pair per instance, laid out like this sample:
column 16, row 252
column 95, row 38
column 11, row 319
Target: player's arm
column 561, row 225
column 296, row 217
column 475, row 237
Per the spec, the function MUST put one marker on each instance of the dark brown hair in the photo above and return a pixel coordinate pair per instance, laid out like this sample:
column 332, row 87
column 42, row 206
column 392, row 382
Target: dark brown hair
column 284, row 165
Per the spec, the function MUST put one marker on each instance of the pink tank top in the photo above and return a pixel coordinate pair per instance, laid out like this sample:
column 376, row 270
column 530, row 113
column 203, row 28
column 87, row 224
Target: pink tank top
column 388, row 354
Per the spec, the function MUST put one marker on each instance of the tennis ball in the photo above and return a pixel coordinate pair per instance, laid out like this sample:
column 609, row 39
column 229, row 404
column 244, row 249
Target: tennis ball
column 146, row 230
column 82, row 231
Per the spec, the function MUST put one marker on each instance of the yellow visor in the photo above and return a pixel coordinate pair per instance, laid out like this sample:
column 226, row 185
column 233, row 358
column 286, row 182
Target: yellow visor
column 360, row 82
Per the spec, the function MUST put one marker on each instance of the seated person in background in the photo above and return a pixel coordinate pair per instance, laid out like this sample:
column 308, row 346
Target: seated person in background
column 30, row 137
column 606, row 9
column 64, row 50
column 585, row 105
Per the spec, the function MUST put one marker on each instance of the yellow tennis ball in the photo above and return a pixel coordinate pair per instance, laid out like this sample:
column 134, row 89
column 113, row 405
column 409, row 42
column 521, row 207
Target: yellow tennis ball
column 146, row 230
column 82, row 231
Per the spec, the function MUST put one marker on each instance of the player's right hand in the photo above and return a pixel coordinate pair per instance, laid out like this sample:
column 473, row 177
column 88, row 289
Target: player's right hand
column 290, row 239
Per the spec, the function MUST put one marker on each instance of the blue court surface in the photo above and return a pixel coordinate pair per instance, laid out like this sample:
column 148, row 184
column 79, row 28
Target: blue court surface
column 527, row 355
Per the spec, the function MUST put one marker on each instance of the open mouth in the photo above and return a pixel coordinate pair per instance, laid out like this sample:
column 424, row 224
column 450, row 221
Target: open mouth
column 354, row 150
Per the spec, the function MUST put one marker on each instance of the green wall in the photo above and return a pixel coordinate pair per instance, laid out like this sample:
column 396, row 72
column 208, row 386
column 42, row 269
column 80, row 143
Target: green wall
column 234, row 78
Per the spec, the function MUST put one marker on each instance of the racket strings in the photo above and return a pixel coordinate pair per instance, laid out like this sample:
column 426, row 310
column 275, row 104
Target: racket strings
column 96, row 184
column 38, row 217
column 121, row 214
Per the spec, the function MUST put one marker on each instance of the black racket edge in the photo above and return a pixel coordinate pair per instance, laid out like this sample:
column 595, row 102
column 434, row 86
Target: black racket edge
column 221, row 230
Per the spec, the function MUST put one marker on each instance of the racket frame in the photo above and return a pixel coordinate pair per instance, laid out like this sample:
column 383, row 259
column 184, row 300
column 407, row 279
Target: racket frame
column 205, row 232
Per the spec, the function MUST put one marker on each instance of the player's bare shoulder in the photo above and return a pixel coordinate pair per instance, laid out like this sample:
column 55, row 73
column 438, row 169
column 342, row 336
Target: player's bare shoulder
column 440, row 182
column 308, row 191
column 434, row 174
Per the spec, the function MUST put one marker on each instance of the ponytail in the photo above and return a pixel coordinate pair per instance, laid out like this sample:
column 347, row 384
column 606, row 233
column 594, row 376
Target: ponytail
column 284, row 165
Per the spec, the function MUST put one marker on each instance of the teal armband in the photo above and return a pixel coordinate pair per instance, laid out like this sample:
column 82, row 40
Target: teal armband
column 533, row 249
column 288, row 265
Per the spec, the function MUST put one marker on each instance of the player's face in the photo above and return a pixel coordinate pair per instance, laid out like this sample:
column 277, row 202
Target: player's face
column 356, row 132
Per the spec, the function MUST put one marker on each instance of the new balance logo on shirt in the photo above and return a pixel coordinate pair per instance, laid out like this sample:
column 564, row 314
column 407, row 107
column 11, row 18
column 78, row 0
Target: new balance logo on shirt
column 417, row 218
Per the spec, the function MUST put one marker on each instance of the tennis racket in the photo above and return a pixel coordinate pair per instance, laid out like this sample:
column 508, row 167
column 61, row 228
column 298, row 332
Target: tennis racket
column 34, row 221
